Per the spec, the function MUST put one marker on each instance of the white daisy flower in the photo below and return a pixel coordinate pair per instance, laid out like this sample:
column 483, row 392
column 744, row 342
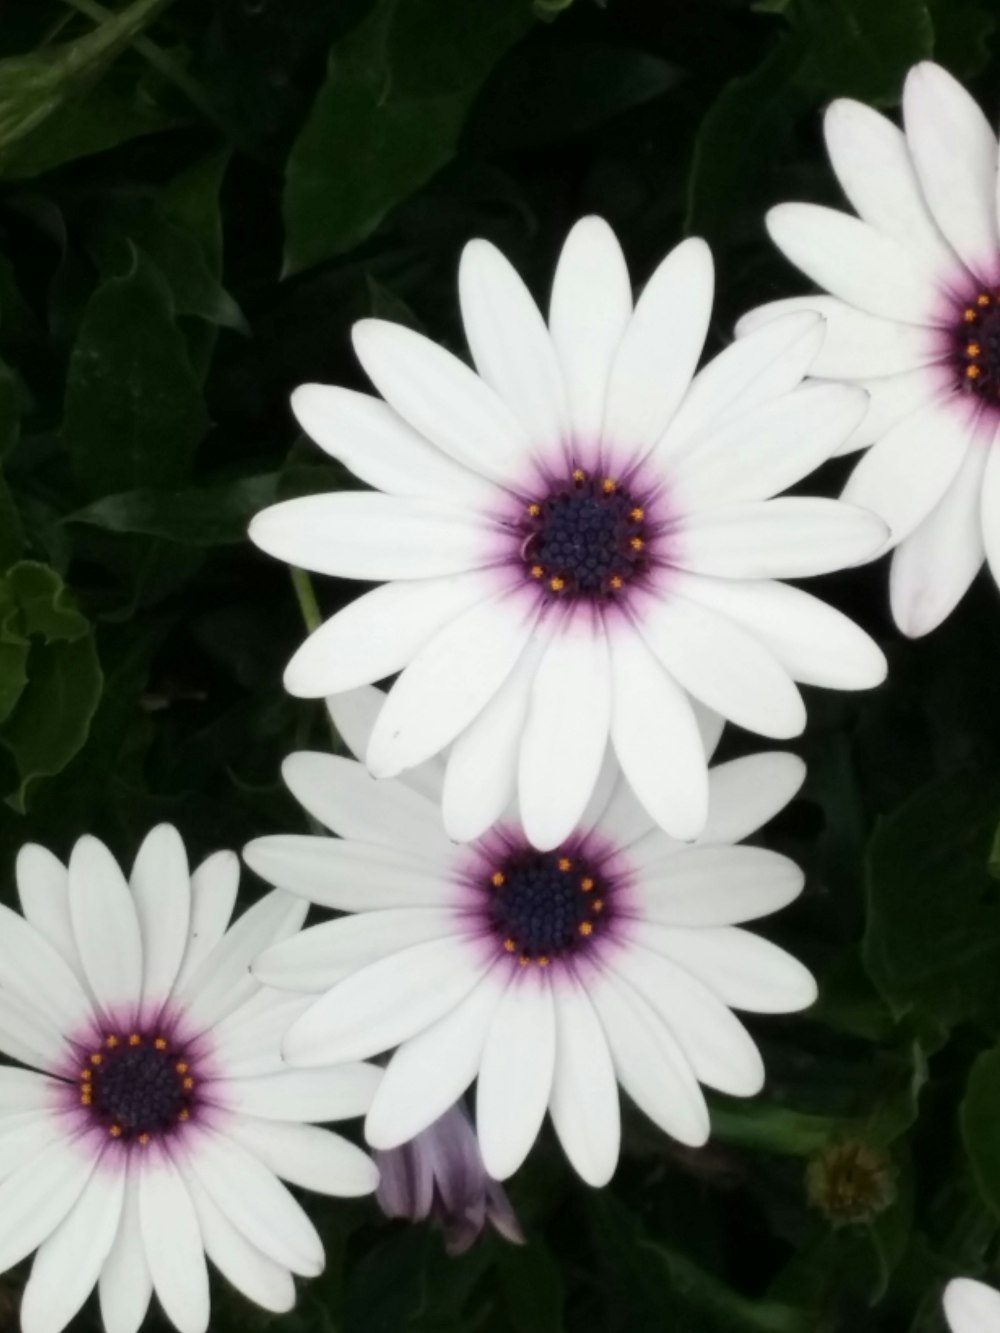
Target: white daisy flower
column 547, row 976
column 577, row 538
column 971, row 1307
column 162, row 1115
column 914, row 317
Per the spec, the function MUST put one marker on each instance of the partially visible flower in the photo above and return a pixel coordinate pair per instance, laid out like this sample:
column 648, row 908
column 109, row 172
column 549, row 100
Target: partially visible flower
column 850, row 1182
column 579, row 539
column 548, row 976
column 971, row 1307
column 440, row 1175
column 164, row 1116
column 914, row 318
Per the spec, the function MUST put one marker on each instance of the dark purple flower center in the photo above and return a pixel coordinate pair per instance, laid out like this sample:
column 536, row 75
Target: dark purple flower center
column 586, row 538
column 137, row 1086
column 977, row 346
column 545, row 904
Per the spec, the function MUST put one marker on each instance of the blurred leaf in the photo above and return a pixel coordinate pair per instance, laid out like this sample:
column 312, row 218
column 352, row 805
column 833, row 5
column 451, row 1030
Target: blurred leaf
column 133, row 411
column 389, row 116
column 962, row 32
column 11, row 532
column 768, row 1128
column 35, row 87
column 981, row 1126
column 387, row 1287
column 862, row 49
column 932, row 942
column 532, row 1288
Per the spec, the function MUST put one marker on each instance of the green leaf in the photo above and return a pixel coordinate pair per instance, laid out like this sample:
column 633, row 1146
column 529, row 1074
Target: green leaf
column 33, row 88
column 133, row 412
column 11, row 532
column 932, row 942
column 981, row 1126
column 532, row 1288
column 863, row 49
column 962, row 32
column 389, row 116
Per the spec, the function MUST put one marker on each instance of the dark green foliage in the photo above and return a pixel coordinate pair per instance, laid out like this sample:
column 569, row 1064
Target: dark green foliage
column 197, row 199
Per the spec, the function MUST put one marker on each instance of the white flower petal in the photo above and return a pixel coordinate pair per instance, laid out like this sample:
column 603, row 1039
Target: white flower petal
column 857, row 345
column 815, row 643
column 254, row 1200
column 893, row 398
column 515, row 1074
column 864, row 267
column 746, row 793
column 247, row 1042
column 650, row 1065
column 364, row 535
column 874, row 167
column 348, row 876
column 125, row 1285
column 584, row 1100
column 36, row 1197
column 716, row 886
column 659, row 351
column 386, row 1002
column 172, row 1241
column 250, row 1271
column 43, row 890
column 791, row 537
column 313, row 1158
column 718, row 662
column 656, row 737
column 344, row 797
column 449, row 682
column 510, row 344
column 481, row 774
column 767, row 448
column 214, row 885
column 25, row 1135
column 223, row 981
column 933, row 568
column 431, row 1070
column 105, row 927
column 767, row 364
column 590, row 311
column 971, row 1307
column 991, row 512
column 161, row 888
column 562, row 747
column 24, row 1090
column 377, row 445
column 353, row 714
column 445, row 401
column 337, row 1093
column 378, row 633
column 908, row 471
column 743, row 969
column 70, row 1259
column 32, row 970
column 623, row 817
column 718, row 1046
column 954, row 150
column 28, row 1036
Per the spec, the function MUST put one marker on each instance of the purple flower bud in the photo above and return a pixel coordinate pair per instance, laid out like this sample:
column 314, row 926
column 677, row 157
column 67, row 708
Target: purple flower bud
column 440, row 1175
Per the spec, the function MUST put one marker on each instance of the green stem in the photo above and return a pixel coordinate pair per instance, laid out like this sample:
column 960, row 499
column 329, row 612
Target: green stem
column 305, row 595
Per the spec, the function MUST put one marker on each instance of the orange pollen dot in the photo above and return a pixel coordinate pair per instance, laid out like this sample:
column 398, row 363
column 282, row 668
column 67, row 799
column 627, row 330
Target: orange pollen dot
column 597, row 905
column 565, row 863
column 115, row 1131
column 135, row 1039
column 86, row 1075
column 160, row 1043
column 85, row 1099
column 637, row 543
column 537, row 571
column 982, row 299
column 509, row 945
column 534, row 510
column 579, row 474
column 97, row 1058
column 616, row 581
column 182, row 1066
column 111, row 1041
column 497, row 879
column 187, row 1084
column 586, row 884
column 969, row 315
column 609, row 485
column 557, row 584
column 543, row 960
column 972, row 372
column 586, row 928
column 974, row 349
column 637, row 514
column 183, row 1114
column 144, row 1139
column 523, row 960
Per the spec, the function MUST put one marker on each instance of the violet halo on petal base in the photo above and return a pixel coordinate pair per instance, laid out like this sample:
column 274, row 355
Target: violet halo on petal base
column 579, row 541
column 545, row 977
column 912, row 304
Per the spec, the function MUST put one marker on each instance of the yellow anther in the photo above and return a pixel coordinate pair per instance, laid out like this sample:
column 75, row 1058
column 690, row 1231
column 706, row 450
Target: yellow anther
column 187, row 1084
column 616, row 581
column 972, row 372
column 565, row 863
column 144, row 1139
column 497, row 879
column 974, row 349
column 637, row 514
column 183, row 1114
column 534, row 510
column 579, row 474
column 85, row 1099
column 160, row 1043
column 115, row 1131
column 135, row 1039
column 586, row 928
column 982, row 299
column 557, row 584
column 86, row 1075
column 969, row 314
column 509, row 945
column 636, row 543
column 97, row 1058
column 597, row 905
column 609, row 485
column 523, row 960
column 182, row 1066
column 537, row 571
column 586, row 884
column 111, row 1041
column 542, row 960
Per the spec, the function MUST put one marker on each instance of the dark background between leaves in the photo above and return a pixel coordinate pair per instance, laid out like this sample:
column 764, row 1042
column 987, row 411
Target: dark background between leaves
column 196, row 200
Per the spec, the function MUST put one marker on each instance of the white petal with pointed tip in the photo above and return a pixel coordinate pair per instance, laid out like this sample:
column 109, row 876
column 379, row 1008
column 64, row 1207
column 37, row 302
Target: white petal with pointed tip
column 172, row 1240
column 515, row 1074
column 307, row 1156
column 214, row 885
column 125, row 1285
column 43, row 890
column 254, row 1274
column 746, row 793
column 161, row 888
column 743, row 969
column 716, row 886
column 105, row 926
column 348, row 876
column 353, row 714
column 584, row 1100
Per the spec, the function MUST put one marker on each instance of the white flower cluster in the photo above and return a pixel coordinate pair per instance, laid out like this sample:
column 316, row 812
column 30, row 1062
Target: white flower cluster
column 538, row 876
